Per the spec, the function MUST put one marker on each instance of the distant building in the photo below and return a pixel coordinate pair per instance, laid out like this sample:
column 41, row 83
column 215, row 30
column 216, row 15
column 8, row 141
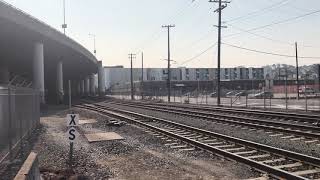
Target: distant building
column 118, row 75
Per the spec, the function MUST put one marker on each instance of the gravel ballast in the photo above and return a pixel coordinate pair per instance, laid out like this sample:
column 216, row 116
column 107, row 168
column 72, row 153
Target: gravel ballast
column 262, row 137
column 139, row 156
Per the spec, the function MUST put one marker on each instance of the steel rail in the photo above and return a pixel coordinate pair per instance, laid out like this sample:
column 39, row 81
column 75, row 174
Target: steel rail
column 280, row 115
column 286, row 115
column 301, row 130
column 275, row 172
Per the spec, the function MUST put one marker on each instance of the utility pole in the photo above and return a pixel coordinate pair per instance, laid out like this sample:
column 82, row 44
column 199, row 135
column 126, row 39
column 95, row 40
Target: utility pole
column 220, row 8
column 297, row 69
column 142, row 85
column 169, row 71
column 131, row 56
column 64, row 25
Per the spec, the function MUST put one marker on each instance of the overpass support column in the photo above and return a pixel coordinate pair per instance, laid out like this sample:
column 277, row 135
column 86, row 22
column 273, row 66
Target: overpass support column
column 79, row 88
column 87, row 86
column 38, row 70
column 101, row 79
column 92, row 85
column 60, row 90
column 82, row 87
column 4, row 74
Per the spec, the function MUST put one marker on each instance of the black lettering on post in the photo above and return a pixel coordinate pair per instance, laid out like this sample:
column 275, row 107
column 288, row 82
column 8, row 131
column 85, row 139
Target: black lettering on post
column 72, row 134
column 72, row 122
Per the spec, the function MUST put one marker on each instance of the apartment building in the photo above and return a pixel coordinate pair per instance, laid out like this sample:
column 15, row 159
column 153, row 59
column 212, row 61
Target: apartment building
column 117, row 75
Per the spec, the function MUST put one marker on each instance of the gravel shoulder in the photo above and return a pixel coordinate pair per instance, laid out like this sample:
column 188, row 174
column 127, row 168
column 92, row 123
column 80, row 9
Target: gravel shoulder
column 139, row 156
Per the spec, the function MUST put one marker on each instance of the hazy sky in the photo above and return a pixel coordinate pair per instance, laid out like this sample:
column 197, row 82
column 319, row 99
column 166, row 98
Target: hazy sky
column 132, row 26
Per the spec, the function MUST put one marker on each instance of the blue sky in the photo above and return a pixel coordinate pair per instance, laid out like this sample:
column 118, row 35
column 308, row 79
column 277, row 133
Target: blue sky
column 132, row 26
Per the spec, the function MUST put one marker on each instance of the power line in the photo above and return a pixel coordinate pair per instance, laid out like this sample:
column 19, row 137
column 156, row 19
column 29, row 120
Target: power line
column 265, row 9
column 269, row 53
column 198, row 55
column 157, row 34
column 276, row 23
column 268, row 38
column 199, row 39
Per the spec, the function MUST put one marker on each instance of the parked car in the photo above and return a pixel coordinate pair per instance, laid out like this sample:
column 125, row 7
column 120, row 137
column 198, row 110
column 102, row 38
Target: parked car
column 214, row 94
column 266, row 94
column 230, row 93
column 241, row 93
column 306, row 90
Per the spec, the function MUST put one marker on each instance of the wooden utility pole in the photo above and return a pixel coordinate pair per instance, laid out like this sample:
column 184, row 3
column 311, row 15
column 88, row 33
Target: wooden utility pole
column 297, row 70
column 169, row 70
column 131, row 56
column 219, row 10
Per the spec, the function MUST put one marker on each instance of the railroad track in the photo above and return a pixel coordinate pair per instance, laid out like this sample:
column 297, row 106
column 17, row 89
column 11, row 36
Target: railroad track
column 284, row 130
column 281, row 116
column 277, row 163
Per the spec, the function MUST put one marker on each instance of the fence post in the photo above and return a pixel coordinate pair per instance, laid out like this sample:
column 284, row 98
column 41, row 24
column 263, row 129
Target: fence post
column 305, row 93
column 246, row 100
column 270, row 102
column 264, row 99
column 230, row 101
column 206, row 97
column 20, row 132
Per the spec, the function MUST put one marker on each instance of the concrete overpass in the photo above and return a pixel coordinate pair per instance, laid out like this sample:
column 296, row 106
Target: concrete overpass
column 45, row 57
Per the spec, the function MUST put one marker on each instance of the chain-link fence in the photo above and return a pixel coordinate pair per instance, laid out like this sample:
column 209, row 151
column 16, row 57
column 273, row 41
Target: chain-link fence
column 281, row 96
column 19, row 115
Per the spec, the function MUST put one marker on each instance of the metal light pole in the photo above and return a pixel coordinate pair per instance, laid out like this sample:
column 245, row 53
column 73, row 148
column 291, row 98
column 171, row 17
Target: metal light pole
column 94, row 44
column 64, row 25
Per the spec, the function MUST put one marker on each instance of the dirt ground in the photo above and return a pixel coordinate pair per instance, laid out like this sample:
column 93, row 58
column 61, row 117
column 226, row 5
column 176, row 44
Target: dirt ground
column 139, row 156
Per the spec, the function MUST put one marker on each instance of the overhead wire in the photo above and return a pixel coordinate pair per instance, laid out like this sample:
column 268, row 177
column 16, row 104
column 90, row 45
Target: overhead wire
column 276, row 23
column 270, row 39
column 265, row 9
column 268, row 53
column 157, row 34
column 255, row 34
column 198, row 55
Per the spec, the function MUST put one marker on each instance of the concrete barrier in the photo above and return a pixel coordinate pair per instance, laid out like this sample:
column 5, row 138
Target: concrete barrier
column 29, row 169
